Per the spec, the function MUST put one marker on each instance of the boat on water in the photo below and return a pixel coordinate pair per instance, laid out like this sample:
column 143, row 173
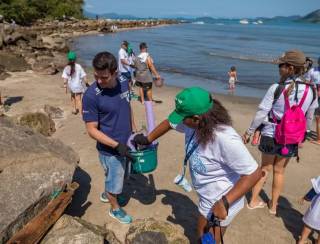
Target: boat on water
column 198, row 23
column 260, row 22
column 244, row 22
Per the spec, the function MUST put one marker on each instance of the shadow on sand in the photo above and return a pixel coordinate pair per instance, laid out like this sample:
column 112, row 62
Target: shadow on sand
column 79, row 203
column 143, row 189
column 12, row 100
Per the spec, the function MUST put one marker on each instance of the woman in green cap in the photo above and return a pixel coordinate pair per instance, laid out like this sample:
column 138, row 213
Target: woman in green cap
column 222, row 169
column 74, row 75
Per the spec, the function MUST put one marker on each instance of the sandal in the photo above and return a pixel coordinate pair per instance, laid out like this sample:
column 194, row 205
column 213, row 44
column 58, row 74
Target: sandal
column 271, row 211
column 259, row 205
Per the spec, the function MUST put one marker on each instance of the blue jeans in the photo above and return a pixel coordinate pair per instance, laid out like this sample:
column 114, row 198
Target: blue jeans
column 114, row 168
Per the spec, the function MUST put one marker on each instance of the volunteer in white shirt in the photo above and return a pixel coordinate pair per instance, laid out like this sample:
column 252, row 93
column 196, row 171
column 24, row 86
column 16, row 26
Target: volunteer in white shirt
column 221, row 168
column 291, row 69
column 74, row 75
column 313, row 76
column 123, row 60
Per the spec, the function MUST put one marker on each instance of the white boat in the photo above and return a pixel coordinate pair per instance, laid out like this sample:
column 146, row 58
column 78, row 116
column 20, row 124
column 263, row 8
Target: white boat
column 255, row 23
column 260, row 22
column 198, row 23
column 244, row 22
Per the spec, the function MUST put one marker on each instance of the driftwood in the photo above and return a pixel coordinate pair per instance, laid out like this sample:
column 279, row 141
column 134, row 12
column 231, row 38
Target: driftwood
column 36, row 228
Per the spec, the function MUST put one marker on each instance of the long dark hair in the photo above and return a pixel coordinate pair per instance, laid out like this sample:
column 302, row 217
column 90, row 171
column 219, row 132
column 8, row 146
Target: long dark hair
column 72, row 65
column 209, row 122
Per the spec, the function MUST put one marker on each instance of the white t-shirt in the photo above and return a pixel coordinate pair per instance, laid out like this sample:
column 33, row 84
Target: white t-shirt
column 217, row 167
column 143, row 57
column 75, row 83
column 123, row 55
column 314, row 75
column 277, row 108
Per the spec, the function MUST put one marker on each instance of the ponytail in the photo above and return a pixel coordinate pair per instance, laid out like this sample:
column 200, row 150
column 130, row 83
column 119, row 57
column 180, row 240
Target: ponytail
column 298, row 72
column 72, row 65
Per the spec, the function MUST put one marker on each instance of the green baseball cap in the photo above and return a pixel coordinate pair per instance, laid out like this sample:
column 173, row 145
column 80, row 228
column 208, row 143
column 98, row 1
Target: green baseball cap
column 71, row 56
column 190, row 101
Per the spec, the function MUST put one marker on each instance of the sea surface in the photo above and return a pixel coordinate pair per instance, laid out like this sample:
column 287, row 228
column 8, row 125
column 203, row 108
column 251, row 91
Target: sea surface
column 202, row 53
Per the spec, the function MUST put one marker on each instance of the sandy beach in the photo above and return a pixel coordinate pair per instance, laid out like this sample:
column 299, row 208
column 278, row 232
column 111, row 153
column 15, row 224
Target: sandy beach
column 155, row 195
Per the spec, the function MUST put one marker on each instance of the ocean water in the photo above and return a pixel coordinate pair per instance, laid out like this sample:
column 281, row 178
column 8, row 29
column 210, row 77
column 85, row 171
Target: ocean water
column 201, row 54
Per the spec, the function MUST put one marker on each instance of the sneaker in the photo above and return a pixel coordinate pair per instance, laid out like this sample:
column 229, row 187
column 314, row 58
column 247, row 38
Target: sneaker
column 103, row 197
column 120, row 215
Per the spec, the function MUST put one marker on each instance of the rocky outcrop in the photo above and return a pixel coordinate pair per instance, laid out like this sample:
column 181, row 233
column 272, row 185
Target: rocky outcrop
column 43, row 45
column 72, row 230
column 32, row 168
column 150, row 231
column 38, row 121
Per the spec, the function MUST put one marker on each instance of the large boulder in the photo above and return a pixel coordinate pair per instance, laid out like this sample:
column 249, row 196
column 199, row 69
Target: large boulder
column 73, row 230
column 32, row 167
column 13, row 62
column 150, row 231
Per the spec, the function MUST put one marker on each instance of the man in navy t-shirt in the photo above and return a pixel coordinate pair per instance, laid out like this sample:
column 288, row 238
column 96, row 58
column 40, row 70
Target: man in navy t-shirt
column 107, row 114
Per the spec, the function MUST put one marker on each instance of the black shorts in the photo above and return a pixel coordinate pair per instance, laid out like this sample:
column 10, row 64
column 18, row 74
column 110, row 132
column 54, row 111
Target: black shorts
column 145, row 86
column 268, row 145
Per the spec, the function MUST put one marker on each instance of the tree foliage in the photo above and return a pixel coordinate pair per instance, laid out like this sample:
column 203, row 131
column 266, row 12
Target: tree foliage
column 26, row 11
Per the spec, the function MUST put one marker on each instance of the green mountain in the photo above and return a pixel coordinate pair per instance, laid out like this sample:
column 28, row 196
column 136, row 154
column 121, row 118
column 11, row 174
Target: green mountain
column 313, row 17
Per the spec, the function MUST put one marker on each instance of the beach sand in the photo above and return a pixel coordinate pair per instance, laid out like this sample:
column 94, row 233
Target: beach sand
column 155, row 195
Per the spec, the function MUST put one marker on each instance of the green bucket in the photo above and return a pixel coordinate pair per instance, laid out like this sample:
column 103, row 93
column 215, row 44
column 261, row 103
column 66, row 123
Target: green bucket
column 144, row 161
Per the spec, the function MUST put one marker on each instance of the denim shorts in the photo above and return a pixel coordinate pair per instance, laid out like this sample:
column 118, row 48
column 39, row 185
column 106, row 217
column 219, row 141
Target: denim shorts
column 114, row 169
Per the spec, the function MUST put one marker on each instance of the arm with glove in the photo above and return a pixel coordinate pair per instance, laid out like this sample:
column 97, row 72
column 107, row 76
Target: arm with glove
column 122, row 149
column 159, row 131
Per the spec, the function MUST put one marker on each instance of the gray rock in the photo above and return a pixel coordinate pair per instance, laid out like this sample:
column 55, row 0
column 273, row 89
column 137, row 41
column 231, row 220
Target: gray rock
column 154, row 231
column 32, row 167
column 72, row 230
column 53, row 112
column 39, row 122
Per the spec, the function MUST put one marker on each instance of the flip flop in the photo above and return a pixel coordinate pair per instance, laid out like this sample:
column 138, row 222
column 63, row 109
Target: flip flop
column 315, row 142
column 260, row 205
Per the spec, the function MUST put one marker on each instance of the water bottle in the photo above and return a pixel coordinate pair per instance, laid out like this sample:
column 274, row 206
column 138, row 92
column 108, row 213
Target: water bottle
column 183, row 183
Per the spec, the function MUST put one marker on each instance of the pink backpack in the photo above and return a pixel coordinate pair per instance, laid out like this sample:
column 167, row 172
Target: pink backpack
column 292, row 127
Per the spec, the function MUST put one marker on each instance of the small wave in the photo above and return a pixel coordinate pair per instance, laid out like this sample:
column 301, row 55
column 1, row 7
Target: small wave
column 198, row 23
column 244, row 58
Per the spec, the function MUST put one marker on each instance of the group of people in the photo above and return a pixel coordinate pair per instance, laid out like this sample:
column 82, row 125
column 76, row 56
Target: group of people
column 139, row 70
column 221, row 167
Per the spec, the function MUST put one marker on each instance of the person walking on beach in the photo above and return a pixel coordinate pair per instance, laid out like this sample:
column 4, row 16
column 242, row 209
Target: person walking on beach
column 221, row 167
column 311, row 218
column 75, row 78
column 313, row 76
column 123, row 61
column 295, row 100
column 145, row 70
column 107, row 114
column 232, row 78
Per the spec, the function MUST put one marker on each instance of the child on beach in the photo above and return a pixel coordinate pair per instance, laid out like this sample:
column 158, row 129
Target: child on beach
column 74, row 76
column 221, row 168
column 311, row 218
column 232, row 77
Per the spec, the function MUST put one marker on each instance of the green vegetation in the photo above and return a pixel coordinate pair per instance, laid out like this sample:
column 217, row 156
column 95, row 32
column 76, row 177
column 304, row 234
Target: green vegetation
column 26, row 11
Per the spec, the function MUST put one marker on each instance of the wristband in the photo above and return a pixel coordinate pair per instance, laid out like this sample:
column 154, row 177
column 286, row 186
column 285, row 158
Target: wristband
column 225, row 203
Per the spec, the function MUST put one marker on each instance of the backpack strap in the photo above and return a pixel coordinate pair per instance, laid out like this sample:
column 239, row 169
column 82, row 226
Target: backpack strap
column 304, row 96
column 278, row 92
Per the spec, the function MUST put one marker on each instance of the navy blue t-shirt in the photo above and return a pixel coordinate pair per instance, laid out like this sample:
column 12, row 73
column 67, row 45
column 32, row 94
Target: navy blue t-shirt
column 111, row 109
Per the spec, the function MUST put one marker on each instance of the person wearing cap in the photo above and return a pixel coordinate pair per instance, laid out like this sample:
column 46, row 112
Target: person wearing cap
column 313, row 76
column 272, row 107
column 123, row 61
column 221, row 167
column 75, row 77
column 145, row 70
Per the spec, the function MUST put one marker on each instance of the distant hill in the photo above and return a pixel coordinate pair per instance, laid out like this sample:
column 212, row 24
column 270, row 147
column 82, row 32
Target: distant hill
column 108, row 16
column 313, row 17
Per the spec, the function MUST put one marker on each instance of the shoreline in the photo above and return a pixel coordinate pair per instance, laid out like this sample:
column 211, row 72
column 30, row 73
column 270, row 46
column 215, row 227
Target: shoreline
column 164, row 200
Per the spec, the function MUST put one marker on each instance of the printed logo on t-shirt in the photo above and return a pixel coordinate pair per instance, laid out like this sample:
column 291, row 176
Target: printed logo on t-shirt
column 126, row 95
column 122, row 78
column 196, row 165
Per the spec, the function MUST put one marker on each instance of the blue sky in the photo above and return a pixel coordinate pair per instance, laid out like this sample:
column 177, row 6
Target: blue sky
column 213, row 8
